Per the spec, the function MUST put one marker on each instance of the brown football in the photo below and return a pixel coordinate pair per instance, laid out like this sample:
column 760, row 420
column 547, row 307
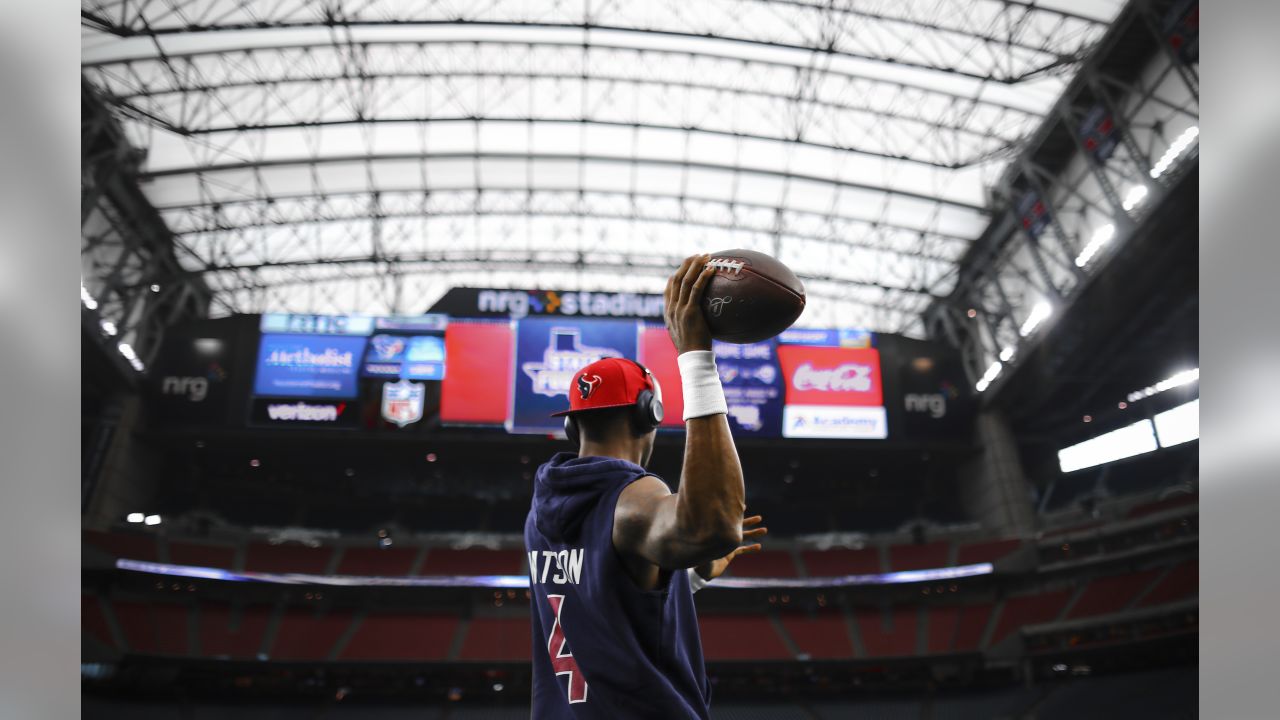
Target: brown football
column 752, row 297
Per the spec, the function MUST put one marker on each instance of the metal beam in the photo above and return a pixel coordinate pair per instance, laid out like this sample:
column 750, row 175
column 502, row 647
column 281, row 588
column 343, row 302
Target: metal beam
column 553, row 157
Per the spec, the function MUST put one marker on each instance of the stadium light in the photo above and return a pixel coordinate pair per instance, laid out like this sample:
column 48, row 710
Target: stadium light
column 87, row 299
column 1179, row 425
column 1186, row 377
column 1175, row 150
column 1128, row 441
column 1135, row 196
column 1039, row 314
column 993, row 371
column 152, row 520
column 1101, row 237
column 129, row 354
column 134, row 517
column 1006, row 354
column 108, row 327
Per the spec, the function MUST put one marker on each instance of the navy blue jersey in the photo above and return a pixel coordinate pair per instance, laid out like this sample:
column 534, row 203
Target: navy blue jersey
column 603, row 647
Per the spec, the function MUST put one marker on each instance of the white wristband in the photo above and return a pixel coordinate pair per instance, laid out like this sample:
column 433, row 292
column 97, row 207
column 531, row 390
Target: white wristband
column 696, row 582
column 703, row 394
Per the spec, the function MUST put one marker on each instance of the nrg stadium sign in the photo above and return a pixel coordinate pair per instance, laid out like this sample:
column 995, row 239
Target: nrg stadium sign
column 516, row 304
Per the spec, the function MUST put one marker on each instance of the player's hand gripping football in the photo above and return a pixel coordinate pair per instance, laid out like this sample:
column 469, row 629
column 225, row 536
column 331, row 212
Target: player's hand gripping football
column 716, row 568
column 683, row 309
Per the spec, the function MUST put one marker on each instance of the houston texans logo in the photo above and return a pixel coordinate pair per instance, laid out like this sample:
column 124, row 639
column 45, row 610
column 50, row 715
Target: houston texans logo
column 587, row 385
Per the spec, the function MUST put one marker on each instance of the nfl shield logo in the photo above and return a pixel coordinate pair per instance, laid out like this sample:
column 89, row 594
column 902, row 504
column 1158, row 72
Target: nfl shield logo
column 402, row 402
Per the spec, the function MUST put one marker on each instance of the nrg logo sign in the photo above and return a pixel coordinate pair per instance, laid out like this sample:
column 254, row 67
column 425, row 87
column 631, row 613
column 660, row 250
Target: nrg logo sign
column 933, row 403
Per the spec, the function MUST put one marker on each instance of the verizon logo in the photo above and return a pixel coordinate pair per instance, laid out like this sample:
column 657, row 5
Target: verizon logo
column 305, row 412
column 849, row 377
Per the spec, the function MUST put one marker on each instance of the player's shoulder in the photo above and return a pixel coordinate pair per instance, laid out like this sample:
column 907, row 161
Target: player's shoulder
column 637, row 499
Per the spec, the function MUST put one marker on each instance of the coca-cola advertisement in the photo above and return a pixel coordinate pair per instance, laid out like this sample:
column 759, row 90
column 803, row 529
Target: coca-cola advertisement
column 832, row 392
column 831, row 375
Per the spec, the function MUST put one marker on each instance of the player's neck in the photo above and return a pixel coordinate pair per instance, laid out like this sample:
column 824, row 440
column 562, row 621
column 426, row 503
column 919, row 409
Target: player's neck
column 629, row 451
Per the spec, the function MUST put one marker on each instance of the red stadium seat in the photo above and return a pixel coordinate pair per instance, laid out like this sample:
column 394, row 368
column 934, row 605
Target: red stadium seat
column 225, row 633
column 989, row 551
column 821, row 636
column 895, row 640
column 1110, row 594
column 741, row 637
column 287, row 559
column 943, row 625
column 767, row 563
column 971, row 624
column 384, row 562
column 1182, row 582
column 834, row 563
column 153, row 628
column 303, row 635
column 1029, row 610
column 125, row 545
column 919, row 557
column 93, row 621
column 475, row 561
column 505, row 639
column 401, row 637
column 200, row 555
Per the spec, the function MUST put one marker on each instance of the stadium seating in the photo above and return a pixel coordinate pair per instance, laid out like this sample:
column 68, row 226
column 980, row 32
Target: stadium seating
column 93, row 622
column 988, row 551
column 918, row 557
column 508, row 639
column 1028, row 610
column 202, row 555
column 401, row 636
column 236, row 633
column 384, row 562
column 821, row 636
column 124, row 545
column 305, row 634
column 943, row 623
column 741, row 637
column 287, row 559
column 768, row 563
column 1110, row 594
column 972, row 623
column 891, row 634
column 475, row 561
column 1169, row 503
column 153, row 628
column 1183, row 581
column 833, row 563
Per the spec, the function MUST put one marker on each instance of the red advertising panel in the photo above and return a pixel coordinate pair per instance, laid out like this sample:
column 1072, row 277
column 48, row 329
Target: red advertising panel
column 832, row 392
column 658, row 354
column 477, row 388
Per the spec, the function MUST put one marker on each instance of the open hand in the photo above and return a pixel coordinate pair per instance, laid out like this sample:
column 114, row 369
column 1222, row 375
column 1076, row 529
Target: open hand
column 750, row 533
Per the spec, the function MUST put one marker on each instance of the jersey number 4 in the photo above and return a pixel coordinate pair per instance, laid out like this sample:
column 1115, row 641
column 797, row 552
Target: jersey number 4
column 561, row 659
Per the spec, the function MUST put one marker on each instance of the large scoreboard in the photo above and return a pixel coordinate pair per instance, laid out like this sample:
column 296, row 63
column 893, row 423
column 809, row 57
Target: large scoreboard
column 478, row 366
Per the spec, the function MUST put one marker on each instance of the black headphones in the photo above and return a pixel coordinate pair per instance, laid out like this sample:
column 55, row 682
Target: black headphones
column 646, row 412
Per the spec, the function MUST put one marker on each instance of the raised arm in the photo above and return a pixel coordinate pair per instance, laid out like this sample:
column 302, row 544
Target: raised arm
column 703, row 521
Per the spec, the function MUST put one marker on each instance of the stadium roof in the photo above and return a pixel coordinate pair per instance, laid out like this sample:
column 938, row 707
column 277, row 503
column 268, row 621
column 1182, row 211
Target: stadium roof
column 364, row 156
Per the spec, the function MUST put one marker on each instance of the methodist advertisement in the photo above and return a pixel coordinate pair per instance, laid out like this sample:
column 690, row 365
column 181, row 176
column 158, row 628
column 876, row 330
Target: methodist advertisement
column 308, row 365
column 549, row 351
column 832, row 392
